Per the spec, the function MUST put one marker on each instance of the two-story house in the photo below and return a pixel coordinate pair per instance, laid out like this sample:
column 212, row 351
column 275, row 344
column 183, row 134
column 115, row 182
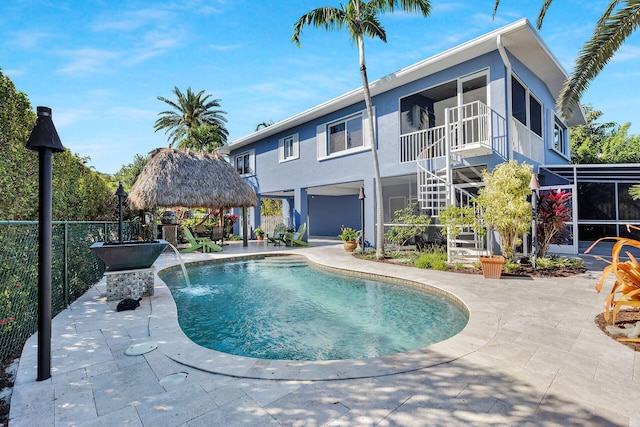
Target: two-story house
column 438, row 123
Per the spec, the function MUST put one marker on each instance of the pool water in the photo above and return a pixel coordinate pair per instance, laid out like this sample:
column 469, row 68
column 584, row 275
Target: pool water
column 283, row 308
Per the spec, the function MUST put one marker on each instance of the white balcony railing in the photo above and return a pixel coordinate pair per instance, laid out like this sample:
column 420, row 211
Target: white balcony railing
column 526, row 142
column 468, row 132
column 414, row 143
column 469, row 126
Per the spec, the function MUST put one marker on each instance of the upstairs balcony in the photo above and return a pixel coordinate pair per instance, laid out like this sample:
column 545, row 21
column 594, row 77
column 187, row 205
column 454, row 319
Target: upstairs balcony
column 469, row 131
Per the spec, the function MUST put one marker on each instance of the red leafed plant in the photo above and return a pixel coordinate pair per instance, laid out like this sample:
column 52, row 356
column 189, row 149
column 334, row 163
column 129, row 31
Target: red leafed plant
column 554, row 211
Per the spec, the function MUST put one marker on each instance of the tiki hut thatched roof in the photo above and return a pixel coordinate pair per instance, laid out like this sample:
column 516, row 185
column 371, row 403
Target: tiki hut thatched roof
column 189, row 179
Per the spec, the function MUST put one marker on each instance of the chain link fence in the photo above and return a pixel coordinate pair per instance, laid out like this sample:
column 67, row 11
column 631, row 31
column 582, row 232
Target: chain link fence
column 74, row 269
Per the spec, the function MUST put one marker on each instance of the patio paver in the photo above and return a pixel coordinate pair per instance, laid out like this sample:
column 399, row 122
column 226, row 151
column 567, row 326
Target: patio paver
column 531, row 355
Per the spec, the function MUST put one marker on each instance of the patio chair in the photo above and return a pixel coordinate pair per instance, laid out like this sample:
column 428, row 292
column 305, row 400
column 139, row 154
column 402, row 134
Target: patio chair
column 217, row 235
column 203, row 243
column 292, row 239
column 278, row 235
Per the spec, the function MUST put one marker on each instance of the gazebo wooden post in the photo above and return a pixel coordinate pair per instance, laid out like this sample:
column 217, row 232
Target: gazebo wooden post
column 245, row 225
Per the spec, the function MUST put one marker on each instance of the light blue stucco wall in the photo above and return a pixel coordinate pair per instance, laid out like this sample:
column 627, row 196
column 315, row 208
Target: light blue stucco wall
column 330, row 213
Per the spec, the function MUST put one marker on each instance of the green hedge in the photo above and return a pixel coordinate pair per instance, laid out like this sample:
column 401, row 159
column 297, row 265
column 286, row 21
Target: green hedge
column 74, row 269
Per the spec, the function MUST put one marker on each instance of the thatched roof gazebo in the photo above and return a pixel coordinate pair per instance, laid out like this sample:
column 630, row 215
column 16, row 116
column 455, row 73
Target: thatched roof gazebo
column 190, row 179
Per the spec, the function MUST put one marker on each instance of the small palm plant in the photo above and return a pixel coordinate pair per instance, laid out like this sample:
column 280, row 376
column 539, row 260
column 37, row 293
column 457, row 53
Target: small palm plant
column 625, row 291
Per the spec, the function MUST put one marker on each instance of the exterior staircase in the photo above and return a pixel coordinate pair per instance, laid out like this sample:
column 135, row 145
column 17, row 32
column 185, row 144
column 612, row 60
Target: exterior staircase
column 444, row 149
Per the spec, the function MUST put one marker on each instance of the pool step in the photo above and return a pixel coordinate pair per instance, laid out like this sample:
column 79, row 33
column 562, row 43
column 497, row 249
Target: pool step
column 284, row 262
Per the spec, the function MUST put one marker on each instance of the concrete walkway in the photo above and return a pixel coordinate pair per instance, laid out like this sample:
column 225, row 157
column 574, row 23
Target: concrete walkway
column 531, row 355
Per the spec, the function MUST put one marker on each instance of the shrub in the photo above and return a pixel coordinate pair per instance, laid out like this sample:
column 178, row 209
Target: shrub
column 510, row 266
column 554, row 210
column 435, row 259
column 504, row 204
column 409, row 225
column 552, row 262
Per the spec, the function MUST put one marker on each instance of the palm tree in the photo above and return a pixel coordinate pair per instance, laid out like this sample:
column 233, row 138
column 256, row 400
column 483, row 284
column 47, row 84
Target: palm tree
column 205, row 138
column 191, row 110
column 618, row 21
column 361, row 19
column 263, row 125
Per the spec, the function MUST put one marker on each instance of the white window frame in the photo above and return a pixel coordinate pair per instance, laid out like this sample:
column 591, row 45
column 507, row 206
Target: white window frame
column 528, row 96
column 531, row 95
column 322, row 136
column 559, row 128
column 251, row 160
column 289, row 148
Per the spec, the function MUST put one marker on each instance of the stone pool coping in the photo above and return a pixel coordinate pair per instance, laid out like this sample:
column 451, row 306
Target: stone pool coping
column 164, row 329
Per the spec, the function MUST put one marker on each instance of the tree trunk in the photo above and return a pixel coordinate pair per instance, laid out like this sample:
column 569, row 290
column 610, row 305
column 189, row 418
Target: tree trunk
column 374, row 154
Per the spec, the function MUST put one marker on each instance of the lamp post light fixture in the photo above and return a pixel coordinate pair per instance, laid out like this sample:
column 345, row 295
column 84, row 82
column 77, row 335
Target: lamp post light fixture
column 534, row 186
column 121, row 194
column 45, row 140
column 361, row 196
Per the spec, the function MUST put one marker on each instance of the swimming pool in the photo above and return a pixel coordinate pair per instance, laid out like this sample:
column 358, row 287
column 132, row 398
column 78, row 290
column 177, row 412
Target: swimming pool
column 283, row 308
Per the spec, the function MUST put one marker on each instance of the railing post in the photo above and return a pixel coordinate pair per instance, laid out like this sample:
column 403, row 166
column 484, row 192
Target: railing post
column 66, row 264
column 447, row 144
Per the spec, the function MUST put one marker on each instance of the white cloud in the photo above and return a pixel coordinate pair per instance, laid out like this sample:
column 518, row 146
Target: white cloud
column 131, row 20
column 88, row 61
column 225, row 48
column 627, row 53
column 30, row 39
column 13, row 73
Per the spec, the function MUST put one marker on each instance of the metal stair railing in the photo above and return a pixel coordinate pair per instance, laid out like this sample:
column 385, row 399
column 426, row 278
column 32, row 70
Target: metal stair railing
column 467, row 124
column 432, row 163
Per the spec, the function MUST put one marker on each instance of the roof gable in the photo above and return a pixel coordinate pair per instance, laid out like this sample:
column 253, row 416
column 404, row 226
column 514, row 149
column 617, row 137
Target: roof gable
column 519, row 38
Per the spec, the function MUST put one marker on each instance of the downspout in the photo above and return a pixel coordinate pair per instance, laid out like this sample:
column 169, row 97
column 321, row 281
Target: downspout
column 507, row 66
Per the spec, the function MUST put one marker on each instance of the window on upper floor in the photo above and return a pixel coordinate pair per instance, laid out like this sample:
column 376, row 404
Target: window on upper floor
column 244, row 163
column 525, row 107
column 535, row 116
column 288, row 148
column 560, row 140
column 343, row 136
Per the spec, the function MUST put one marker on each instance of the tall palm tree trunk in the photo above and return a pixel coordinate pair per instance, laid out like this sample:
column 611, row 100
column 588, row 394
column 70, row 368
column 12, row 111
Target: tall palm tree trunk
column 374, row 155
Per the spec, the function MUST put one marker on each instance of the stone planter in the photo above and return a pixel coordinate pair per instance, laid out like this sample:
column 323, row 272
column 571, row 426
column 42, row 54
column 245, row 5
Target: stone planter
column 350, row 245
column 492, row 266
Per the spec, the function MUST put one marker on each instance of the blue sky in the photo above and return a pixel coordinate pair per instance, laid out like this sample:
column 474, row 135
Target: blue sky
column 101, row 64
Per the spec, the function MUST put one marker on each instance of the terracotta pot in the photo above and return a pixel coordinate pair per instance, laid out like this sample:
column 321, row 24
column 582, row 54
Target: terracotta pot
column 492, row 266
column 261, row 237
column 350, row 245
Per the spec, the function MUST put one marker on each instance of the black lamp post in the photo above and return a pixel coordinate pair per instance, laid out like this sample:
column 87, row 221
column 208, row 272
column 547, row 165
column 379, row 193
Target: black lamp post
column 534, row 186
column 45, row 140
column 361, row 196
column 121, row 194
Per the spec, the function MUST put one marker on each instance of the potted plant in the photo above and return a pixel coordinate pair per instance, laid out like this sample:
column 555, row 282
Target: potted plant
column 502, row 207
column 349, row 236
column 259, row 232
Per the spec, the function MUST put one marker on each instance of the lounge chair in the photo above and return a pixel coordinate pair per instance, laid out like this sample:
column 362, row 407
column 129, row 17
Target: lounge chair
column 203, row 243
column 278, row 235
column 292, row 239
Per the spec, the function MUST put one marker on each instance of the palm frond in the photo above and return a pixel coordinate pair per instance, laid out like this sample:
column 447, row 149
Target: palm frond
column 495, row 8
column 543, row 12
column 191, row 110
column 329, row 18
column 611, row 31
column 634, row 191
column 410, row 6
